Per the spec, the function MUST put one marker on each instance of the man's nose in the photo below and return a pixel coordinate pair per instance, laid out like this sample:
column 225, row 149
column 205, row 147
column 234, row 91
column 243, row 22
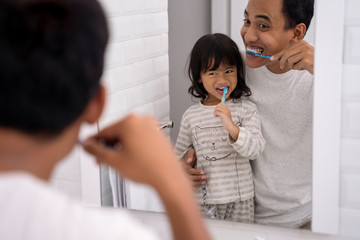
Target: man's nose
column 250, row 35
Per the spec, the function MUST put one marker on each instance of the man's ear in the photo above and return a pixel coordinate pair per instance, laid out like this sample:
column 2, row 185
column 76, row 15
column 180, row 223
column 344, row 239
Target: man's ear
column 95, row 106
column 299, row 32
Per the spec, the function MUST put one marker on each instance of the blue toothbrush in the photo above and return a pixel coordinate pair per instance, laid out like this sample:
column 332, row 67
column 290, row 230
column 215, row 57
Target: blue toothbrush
column 253, row 53
column 223, row 97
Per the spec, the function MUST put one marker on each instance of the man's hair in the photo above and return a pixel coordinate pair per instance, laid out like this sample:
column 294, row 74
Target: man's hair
column 297, row 11
column 52, row 55
column 208, row 53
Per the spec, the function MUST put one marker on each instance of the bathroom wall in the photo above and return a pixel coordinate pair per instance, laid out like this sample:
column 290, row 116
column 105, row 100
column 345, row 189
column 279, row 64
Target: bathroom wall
column 186, row 26
column 136, row 77
column 350, row 132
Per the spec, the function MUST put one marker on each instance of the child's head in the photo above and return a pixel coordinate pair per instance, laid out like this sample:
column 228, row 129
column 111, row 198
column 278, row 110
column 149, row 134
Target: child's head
column 52, row 55
column 209, row 52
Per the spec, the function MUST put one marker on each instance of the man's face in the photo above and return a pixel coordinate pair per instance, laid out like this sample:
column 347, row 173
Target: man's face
column 264, row 31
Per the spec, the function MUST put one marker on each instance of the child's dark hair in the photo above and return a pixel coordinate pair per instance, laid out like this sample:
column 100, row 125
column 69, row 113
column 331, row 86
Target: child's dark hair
column 52, row 55
column 209, row 52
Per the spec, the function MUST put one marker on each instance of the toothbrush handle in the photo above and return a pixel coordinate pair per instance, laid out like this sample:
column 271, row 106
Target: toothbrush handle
column 223, row 97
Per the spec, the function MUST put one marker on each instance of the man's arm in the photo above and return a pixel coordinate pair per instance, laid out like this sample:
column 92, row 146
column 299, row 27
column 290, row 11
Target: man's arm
column 145, row 155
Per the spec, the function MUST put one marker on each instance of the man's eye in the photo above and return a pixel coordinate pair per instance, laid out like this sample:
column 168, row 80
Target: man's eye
column 246, row 21
column 263, row 26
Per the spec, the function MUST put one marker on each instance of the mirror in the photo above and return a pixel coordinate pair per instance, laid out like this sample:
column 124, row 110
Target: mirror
column 188, row 40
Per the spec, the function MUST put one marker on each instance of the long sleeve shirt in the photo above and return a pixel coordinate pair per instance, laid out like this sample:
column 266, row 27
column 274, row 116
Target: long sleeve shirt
column 224, row 161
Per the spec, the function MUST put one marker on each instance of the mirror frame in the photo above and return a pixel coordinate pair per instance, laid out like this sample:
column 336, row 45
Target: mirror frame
column 326, row 123
column 327, row 115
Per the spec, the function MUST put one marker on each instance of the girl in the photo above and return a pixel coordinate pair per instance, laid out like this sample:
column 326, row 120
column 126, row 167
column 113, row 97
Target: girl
column 225, row 135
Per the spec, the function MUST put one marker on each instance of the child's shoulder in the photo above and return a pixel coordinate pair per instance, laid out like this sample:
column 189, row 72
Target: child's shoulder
column 243, row 102
column 192, row 109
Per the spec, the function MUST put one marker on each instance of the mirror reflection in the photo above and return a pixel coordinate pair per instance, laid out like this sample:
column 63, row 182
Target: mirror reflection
column 265, row 137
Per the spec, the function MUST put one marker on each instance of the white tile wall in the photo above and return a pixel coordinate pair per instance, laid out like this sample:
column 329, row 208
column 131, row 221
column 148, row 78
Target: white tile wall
column 350, row 120
column 121, row 28
column 350, row 139
column 352, row 48
column 136, row 76
column 351, row 83
column 137, row 69
column 350, row 152
column 144, row 71
column 350, row 194
column 352, row 12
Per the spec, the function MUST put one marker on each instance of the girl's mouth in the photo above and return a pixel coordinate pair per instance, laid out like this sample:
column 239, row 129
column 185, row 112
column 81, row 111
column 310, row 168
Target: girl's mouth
column 220, row 90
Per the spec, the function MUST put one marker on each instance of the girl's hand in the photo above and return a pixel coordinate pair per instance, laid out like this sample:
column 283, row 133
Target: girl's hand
column 225, row 115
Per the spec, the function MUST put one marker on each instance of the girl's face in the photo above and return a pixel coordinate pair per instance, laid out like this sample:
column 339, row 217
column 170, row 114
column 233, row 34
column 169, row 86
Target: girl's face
column 215, row 81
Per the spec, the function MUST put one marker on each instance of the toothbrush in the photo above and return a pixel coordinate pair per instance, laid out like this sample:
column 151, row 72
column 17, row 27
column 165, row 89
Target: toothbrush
column 223, row 97
column 115, row 144
column 253, row 53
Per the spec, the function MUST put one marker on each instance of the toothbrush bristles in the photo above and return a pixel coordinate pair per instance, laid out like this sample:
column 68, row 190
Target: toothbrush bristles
column 251, row 52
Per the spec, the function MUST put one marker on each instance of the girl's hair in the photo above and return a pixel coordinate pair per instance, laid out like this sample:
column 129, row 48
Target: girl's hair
column 209, row 52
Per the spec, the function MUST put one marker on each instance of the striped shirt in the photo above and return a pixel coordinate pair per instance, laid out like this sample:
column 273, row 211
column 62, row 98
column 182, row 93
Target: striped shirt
column 224, row 161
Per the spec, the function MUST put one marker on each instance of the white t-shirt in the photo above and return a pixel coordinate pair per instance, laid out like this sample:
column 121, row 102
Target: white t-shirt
column 30, row 209
column 282, row 174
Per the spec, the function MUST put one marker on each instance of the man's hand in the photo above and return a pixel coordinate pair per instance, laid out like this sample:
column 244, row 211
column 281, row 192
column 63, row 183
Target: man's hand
column 145, row 155
column 298, row 56
column 197, row 176
column 140, row 142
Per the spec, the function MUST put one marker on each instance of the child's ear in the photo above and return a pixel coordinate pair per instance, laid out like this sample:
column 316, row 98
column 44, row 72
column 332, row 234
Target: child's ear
column 95, row 106
column 299, row 32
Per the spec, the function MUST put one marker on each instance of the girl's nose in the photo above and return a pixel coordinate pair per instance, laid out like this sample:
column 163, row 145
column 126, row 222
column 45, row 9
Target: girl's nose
column 222, row 78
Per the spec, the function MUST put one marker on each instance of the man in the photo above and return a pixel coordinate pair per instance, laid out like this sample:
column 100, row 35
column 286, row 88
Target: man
column 52, row 54
column 282, row 91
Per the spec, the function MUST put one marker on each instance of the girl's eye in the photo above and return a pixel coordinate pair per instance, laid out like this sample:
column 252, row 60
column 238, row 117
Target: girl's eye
column 211, row 74
column 229, row 71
